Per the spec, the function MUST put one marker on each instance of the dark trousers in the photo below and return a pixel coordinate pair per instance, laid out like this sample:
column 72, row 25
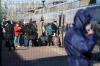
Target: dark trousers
column 78, row 62
column 22, row 40
column 10, row 44
column 50, row 40
column 34, row 42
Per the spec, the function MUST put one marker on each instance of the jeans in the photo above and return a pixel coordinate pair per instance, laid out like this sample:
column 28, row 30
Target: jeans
column 26, row 42
column 19, row 40
column 15, row 39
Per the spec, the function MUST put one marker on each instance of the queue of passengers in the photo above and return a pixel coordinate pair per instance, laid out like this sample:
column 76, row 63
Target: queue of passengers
column 17, row 34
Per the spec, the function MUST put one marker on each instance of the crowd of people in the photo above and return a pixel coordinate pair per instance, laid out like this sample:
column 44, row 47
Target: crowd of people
column 17, row 34
column 79, row 40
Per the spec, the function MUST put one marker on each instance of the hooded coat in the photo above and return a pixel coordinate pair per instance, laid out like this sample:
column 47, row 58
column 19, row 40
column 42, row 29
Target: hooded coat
column 77, row 45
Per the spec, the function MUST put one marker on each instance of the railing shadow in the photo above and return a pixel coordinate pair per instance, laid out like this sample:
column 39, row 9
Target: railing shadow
column 13, row 59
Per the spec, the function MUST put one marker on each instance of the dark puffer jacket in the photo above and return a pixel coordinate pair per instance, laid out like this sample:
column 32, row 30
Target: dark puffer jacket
column 77, row 45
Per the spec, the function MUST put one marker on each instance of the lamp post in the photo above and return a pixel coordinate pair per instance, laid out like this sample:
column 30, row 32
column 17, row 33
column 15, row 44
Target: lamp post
column 61, row 25
column 43, row 2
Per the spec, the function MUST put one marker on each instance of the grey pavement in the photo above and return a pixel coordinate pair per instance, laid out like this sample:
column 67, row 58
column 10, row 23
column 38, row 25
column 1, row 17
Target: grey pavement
column 37, row 56
column 33, row 56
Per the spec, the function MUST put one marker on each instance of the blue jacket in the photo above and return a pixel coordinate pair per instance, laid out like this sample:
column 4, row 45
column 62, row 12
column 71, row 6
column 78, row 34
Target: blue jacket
column 48, row 29
column 77, row 45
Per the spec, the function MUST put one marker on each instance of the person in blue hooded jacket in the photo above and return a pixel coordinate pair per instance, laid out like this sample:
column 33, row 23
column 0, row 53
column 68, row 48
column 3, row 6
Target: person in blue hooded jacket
column 80, row 40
